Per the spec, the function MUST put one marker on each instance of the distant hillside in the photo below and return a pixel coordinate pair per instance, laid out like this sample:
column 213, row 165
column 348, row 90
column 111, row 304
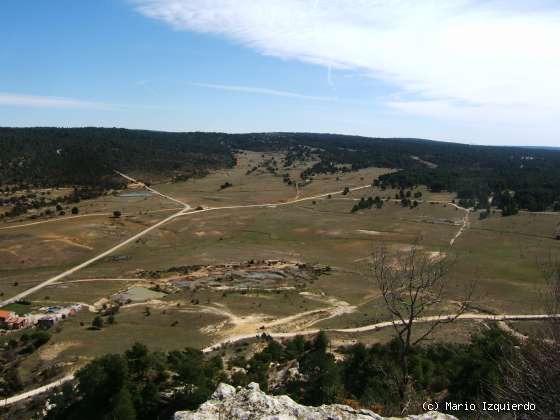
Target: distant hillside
column 510, row 177
column 87, row 156
column 543, row 147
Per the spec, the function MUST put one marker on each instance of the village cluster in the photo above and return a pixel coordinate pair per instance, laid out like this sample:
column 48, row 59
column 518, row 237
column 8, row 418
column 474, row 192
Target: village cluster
column 44, row 317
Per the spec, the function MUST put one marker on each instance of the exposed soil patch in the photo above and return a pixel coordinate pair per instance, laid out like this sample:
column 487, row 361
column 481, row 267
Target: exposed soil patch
column 369, row 232
column 429, row 164
column 256, row 323
column 244, row 276
column 13, row 250
column 50, row 352
column 137, row 294
column 65, row 240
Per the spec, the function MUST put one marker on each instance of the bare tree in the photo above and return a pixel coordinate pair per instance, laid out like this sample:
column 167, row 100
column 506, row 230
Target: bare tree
column 415, row 287
column 533, row 373
column 551, row 293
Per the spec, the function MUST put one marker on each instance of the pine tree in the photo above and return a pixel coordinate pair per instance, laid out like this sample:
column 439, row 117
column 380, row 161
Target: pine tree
column 123, row 409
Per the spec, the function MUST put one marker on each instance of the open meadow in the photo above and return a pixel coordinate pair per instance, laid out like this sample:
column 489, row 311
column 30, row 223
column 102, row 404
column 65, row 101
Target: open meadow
column 254, row 253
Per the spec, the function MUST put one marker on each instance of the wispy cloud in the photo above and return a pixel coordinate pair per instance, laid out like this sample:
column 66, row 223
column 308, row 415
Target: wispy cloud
column 56, row 102
column 261, row 91
column 499, row 56
column 35, row 101
column 329, row 77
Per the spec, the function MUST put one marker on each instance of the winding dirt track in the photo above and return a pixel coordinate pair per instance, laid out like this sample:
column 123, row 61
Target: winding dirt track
column 381, row 325
column 129, row 178
column 63, row 219
column 464, row 226
column 88, row 262
column 23, row 396
column 373, row 327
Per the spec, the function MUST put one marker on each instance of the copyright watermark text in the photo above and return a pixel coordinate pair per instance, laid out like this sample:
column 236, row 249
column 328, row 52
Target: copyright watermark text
column 480, row 406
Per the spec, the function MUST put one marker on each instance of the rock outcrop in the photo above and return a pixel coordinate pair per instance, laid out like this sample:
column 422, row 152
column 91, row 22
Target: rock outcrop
column 251, row 403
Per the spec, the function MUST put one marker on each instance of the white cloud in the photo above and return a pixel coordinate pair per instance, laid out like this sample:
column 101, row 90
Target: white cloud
column 261, row 91
column 441, row 57
column 34, row 101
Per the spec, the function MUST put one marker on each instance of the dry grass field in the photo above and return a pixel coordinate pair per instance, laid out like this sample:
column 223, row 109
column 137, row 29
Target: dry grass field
column 502, row 254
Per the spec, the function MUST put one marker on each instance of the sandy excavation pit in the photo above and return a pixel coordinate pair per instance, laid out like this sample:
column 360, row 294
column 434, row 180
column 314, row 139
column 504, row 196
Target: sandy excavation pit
column 249, row 275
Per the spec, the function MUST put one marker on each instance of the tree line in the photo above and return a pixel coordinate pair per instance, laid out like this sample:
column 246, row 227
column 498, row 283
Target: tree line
column 144, row 384
column 56, row 157
column 87, row 157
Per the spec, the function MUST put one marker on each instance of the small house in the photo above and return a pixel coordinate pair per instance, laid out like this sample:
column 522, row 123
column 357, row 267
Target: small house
column 6, row 319
column 19, row 322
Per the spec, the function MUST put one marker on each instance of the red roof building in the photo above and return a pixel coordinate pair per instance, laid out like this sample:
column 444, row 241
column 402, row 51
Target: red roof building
column 6, row 319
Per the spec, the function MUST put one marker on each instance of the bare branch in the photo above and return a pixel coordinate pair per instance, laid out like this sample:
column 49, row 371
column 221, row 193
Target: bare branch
column 412, row 283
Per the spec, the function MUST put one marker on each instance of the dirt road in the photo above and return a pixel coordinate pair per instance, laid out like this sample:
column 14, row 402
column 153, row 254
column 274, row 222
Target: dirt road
column 380, row 325
column 274, row 205
column 235, row 325
column 129, row 178
column 88, row 262
column 464, row 226
column 20, row 397
column 63, row 219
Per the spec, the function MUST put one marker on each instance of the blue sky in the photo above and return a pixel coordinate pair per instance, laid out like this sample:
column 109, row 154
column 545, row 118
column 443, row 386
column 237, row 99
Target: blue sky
column 475, row 71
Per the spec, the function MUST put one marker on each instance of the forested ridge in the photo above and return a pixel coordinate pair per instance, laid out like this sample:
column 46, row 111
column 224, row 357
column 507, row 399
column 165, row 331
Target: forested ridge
column 57, row 157
column 527, row 177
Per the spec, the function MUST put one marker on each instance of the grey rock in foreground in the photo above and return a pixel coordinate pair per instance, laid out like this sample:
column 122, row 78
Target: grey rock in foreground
column 251, row 403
